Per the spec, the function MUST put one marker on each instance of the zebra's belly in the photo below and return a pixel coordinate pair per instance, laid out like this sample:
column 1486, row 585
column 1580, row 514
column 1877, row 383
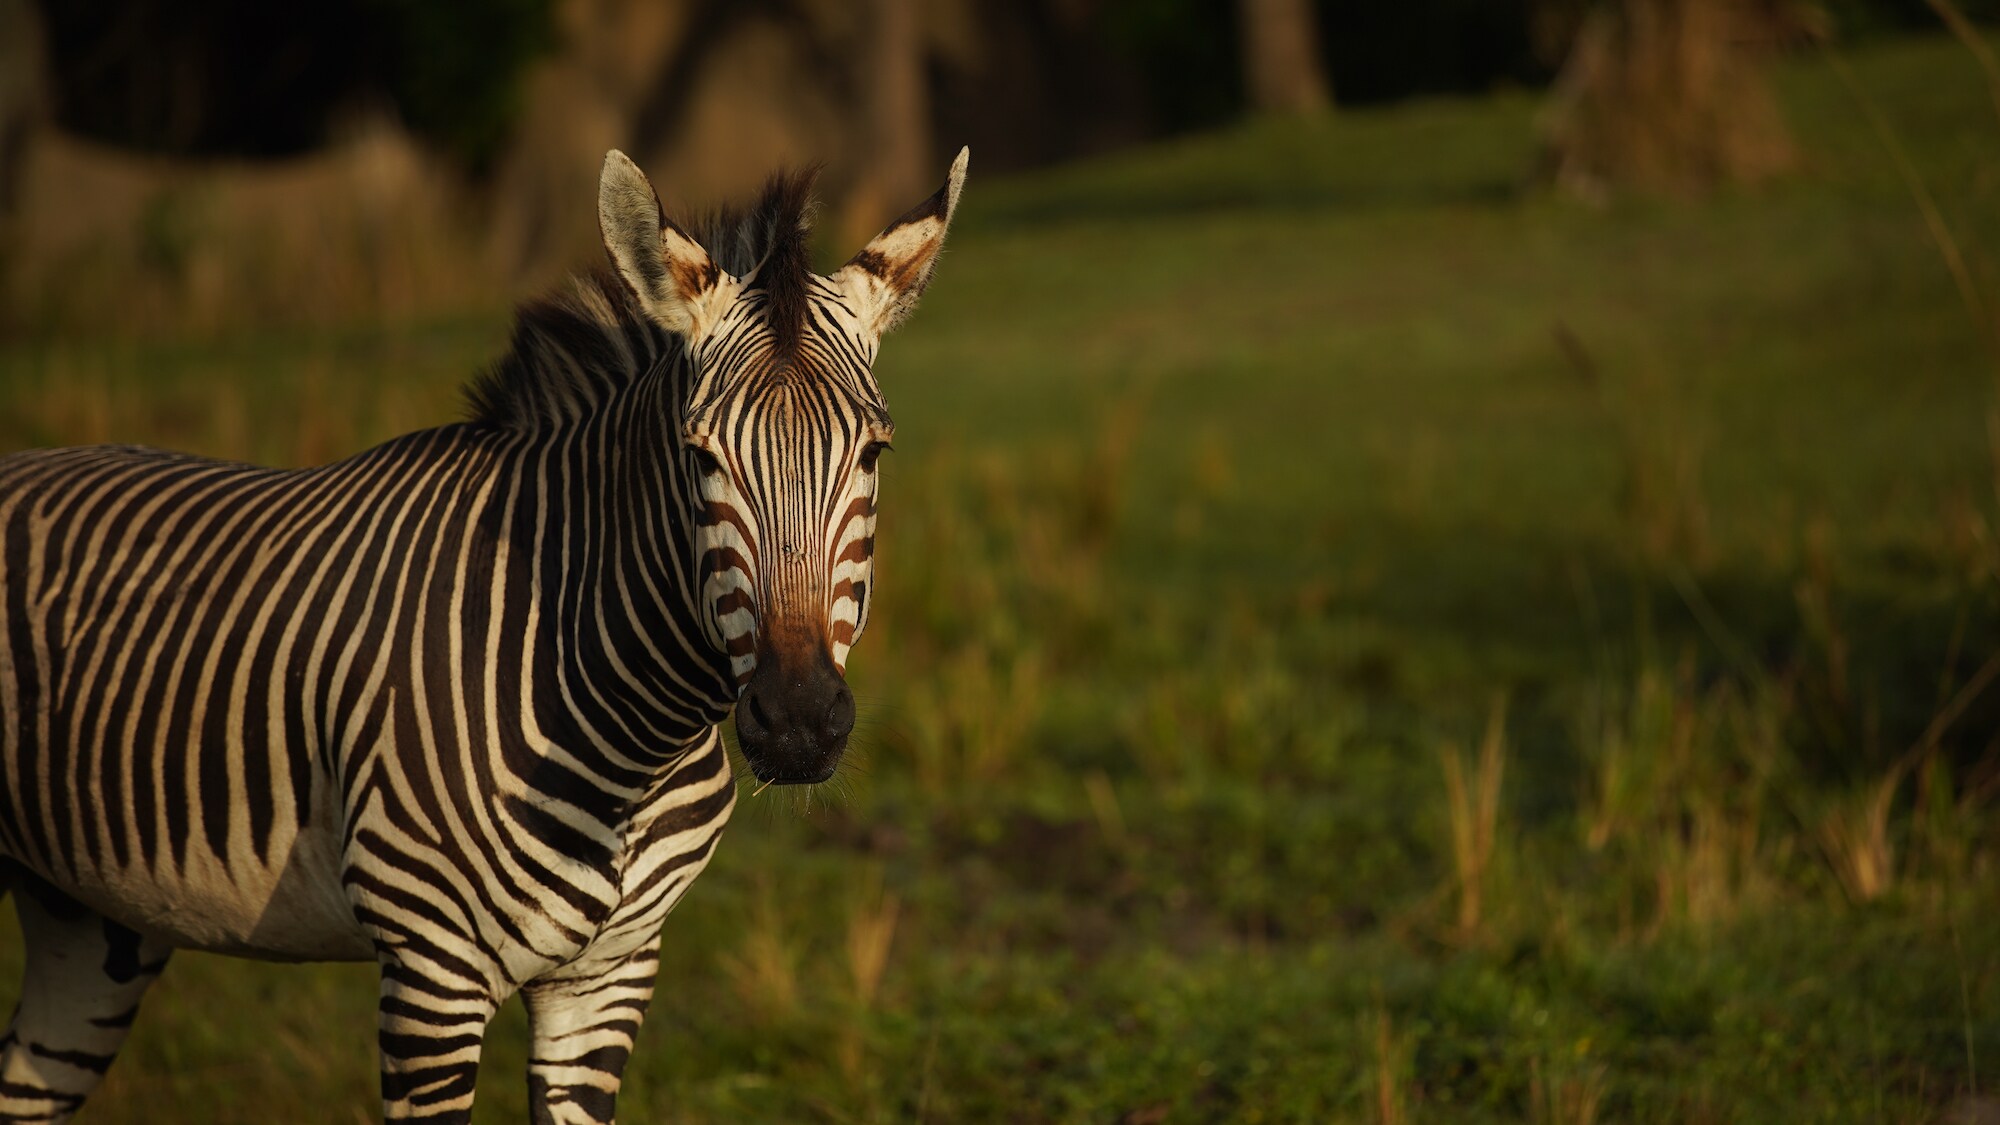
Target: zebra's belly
column 295, row 911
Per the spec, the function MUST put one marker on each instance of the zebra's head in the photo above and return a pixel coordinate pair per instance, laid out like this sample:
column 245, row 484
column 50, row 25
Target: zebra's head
column 780, row 426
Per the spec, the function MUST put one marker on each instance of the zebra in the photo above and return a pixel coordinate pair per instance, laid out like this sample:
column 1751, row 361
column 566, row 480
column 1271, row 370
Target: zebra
column 453, row 705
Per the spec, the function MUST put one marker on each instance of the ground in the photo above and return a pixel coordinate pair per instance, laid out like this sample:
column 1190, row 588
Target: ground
column 1359, row 640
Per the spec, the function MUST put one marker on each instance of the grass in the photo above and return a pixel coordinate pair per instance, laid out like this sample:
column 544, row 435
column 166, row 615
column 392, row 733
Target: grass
column 1238, row 478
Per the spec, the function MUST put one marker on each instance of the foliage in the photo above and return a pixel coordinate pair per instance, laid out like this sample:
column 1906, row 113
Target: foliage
column 238, row 77
column 454, row 67
column 1185, row 51
column 1880, row 17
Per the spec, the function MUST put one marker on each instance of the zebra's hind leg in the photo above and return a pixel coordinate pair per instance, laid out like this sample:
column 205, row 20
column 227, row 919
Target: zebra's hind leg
column 583, row 1019
column 84, row 979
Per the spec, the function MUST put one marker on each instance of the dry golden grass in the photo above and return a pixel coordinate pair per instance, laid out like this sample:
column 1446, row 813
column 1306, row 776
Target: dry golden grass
column 763, row 967
column 871, row 933
column 1391, row 1072
column 1472, row 803
column 1704, row 871
column 1681, row 780
column 1855, row 835
column 871, row 930
column 1571, row 1096
column 967, row 724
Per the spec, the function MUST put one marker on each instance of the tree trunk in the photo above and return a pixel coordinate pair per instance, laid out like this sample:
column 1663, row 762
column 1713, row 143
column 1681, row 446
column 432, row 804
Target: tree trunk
column 1670, row 95
column 1281, row 64
column 23, row 96
column 896, row 100
column 24, row 113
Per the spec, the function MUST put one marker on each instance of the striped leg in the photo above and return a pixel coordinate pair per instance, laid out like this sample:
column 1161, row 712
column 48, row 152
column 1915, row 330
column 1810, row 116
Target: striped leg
column 583, row 1019
column 85, row 976
column 430, row 1034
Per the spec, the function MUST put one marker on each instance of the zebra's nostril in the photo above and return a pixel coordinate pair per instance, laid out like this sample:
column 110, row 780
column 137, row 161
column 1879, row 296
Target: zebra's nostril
column 754, row 703
column 840, row 716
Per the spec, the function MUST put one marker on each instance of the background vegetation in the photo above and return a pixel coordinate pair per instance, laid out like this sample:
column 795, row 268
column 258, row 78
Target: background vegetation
column 1361, row 639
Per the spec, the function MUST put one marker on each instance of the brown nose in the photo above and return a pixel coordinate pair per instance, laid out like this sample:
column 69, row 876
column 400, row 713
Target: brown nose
column 794, row 717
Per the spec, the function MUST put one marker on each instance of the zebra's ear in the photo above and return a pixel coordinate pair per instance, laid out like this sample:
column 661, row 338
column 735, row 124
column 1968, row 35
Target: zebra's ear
column 890, row 273
column 677, row 283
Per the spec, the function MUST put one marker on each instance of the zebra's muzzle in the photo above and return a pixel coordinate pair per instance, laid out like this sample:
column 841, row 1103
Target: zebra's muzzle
column 792, row 722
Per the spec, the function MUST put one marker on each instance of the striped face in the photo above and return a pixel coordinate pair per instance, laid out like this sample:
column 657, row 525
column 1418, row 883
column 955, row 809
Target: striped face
column 783, row 458
column 781, row 431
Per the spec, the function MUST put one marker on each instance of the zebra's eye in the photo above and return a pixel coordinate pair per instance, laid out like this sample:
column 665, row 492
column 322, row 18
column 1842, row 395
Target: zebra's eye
column 705, row 463
column 871, row 453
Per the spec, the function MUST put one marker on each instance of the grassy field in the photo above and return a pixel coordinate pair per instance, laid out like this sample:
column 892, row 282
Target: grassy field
column 1359, row 641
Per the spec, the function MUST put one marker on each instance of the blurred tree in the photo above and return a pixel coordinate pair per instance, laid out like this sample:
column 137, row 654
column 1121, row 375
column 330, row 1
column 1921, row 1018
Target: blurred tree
column 663, row 109
column 895, row 170
column 1670, row 95
column 23, row 109
column 1383, row 52
column 1185, row 53
column 873, row 60
column 1028, row 82
column 453, row 67
column 1869, row 17
column 1281, row 57
column 23, row 98
column 242, row 77
column 1194, row 61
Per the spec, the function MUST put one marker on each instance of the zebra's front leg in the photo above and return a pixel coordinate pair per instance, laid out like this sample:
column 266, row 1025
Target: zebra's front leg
column 431, row 1027
column 583, row 1018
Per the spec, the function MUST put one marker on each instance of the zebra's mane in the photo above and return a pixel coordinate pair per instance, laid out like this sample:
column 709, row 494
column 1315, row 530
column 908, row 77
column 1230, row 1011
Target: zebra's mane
column 575, row 347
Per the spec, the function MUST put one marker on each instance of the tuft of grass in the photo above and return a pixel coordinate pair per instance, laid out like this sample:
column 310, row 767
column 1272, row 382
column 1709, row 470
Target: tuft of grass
column 871, row 930
column 967, row 724
column 1682, row 793
column 1569, row 1096
column 1391, row 1058
column 1472, row 803
column 1855, row 832
column 763, row 966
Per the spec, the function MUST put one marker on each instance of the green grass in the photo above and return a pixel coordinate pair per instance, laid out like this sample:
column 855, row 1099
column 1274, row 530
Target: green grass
column 1241, row 481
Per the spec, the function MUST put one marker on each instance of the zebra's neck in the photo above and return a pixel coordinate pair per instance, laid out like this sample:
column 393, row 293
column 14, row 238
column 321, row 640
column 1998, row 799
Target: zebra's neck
column 632, row 665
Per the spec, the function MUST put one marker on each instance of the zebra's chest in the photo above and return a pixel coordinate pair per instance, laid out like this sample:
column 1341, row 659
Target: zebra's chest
column 529, row 901
column 668, row 842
